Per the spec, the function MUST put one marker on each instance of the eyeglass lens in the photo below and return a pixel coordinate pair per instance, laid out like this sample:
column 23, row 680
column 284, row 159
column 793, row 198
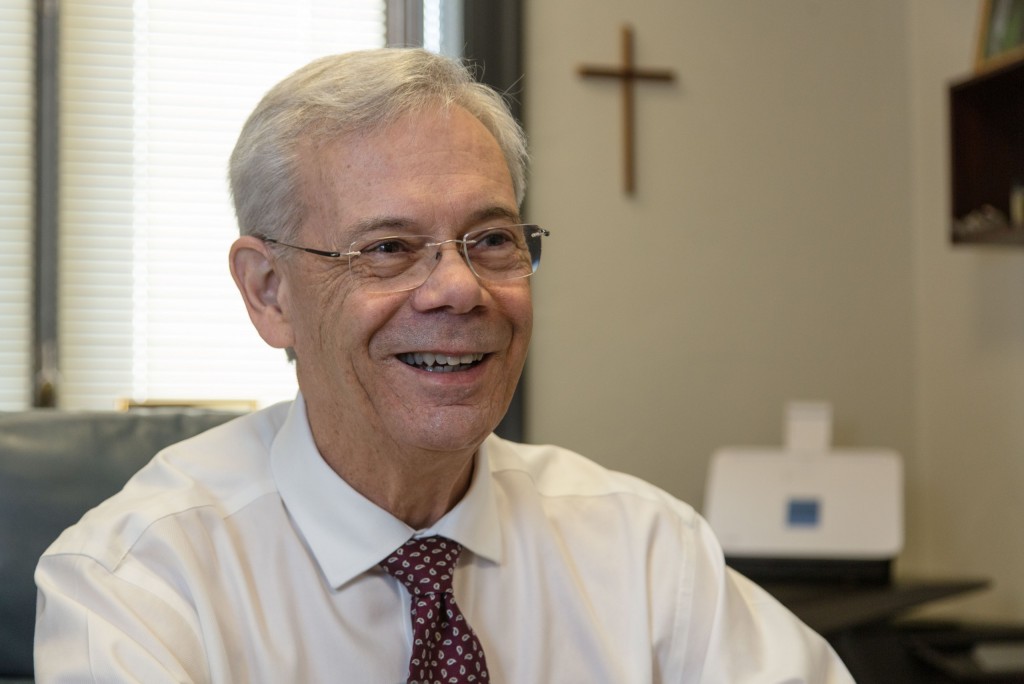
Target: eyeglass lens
column 399, row 263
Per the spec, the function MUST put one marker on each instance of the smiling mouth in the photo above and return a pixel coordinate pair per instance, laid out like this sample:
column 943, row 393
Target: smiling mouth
column 440, row 363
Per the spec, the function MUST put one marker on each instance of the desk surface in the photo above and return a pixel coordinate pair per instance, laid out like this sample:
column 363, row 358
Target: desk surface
column 829, row 608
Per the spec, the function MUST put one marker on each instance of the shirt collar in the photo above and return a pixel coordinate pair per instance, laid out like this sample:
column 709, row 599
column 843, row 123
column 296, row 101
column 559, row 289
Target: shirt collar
column 473, row 522
column 346, row 532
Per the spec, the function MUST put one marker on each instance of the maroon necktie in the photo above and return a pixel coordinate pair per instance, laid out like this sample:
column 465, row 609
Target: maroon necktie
column 444, row 647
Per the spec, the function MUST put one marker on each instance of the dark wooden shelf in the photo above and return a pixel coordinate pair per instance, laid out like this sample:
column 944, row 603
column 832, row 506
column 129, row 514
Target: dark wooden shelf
column 987, row 152
column 991, row 237
column 990, row 229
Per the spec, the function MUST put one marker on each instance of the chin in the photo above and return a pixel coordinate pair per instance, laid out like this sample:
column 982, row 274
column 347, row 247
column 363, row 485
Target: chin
column 449, row 443
column 449, row 431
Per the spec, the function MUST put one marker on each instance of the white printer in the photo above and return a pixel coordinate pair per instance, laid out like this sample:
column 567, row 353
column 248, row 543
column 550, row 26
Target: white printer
column 807, row 511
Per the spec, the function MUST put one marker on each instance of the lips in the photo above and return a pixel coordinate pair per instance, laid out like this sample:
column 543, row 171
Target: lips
column 433, row 362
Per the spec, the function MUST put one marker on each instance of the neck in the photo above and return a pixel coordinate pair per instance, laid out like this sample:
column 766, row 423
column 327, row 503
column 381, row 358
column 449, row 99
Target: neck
column 417, row 486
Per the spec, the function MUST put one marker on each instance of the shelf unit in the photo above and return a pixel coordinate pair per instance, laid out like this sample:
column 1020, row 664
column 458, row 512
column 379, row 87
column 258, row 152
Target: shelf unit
column 987, row 155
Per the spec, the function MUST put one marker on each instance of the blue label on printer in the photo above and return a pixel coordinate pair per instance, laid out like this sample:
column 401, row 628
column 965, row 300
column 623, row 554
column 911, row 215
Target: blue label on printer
column 803, row 513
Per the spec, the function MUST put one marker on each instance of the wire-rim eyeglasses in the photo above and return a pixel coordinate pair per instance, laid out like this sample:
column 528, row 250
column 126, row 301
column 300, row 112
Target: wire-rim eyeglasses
column 398, row 263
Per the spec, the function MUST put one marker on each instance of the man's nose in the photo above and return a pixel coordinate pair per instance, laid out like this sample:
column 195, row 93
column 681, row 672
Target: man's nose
column 451, row 282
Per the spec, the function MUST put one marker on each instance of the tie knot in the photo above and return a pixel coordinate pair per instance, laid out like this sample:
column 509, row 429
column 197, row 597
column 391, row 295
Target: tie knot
column 424, row 566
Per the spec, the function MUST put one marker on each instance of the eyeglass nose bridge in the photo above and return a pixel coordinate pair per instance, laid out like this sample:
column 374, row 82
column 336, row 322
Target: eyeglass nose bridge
column 430, row 265
column 462, row 242
column 462, row 247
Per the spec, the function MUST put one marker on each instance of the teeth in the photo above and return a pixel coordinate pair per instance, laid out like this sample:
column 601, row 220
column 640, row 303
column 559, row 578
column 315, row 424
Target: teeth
column 439, row 362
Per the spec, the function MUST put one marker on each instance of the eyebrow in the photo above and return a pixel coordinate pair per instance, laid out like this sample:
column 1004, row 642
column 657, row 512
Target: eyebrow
column 374, row 223
column 496, row 212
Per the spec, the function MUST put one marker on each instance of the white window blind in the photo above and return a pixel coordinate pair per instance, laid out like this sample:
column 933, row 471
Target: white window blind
column 153, row 95
column 16, row 125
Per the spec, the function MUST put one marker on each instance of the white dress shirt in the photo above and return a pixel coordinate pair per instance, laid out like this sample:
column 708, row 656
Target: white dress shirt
column 239, row 556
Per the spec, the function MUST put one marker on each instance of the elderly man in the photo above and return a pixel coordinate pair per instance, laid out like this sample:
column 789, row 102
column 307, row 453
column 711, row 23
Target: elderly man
column 374, row 530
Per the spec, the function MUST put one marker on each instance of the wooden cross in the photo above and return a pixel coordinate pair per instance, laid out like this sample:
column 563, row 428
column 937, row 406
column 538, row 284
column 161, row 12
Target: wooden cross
column 629, row 74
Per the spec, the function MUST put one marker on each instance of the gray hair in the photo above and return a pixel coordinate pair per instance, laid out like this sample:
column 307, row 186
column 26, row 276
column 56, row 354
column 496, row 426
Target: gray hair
column 355, row 92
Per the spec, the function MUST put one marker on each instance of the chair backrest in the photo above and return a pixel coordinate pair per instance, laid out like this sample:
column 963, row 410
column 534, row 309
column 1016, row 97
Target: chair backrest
column 55, row 466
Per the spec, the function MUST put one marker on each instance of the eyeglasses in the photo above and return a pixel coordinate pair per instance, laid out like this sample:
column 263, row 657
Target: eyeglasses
column 398, row 263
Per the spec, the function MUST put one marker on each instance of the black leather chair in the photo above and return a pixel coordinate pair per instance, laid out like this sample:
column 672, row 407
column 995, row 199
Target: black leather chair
column 55, row 466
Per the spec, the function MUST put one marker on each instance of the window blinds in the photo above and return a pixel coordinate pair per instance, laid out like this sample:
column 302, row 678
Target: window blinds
column 16, row 124
column 153, row 94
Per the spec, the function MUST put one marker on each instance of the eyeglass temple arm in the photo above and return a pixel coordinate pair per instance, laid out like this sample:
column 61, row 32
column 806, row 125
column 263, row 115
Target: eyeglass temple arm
column 318, row 252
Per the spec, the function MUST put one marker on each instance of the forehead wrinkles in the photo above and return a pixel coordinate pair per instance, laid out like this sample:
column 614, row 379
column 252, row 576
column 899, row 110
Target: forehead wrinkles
column 320, row 166
column 328, row 172
column 410, row 155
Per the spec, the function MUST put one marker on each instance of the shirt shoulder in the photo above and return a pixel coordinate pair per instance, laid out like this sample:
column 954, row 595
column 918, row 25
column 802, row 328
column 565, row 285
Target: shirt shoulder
column 219, row 471
column 558, row 473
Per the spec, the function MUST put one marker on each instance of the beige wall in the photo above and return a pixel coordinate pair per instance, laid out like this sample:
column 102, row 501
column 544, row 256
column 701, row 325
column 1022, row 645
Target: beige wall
column 787, row 241
column 969, row 349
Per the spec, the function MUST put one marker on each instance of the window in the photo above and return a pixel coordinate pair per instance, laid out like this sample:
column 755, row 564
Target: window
column 16, row 68
column 153, row 94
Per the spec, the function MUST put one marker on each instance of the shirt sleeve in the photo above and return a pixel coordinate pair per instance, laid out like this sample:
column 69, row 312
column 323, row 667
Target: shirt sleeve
column 93, row 625
column 740, row 634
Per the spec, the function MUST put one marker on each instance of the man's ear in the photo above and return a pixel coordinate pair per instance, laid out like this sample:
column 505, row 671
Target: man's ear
column 258, row 277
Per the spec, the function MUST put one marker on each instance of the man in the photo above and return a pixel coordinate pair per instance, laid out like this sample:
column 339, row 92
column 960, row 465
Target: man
column 378, row 198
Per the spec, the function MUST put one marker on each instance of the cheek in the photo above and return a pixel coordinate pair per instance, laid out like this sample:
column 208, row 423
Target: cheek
column 317, row 305
column 518, row 306
column 350, row 326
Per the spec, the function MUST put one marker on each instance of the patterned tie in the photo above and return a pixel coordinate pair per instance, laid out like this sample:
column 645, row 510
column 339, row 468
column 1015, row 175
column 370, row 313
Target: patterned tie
column 445, row 649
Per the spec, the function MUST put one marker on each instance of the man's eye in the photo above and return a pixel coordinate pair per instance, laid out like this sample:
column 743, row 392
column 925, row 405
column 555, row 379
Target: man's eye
column 495, row 238
column 388, row 246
